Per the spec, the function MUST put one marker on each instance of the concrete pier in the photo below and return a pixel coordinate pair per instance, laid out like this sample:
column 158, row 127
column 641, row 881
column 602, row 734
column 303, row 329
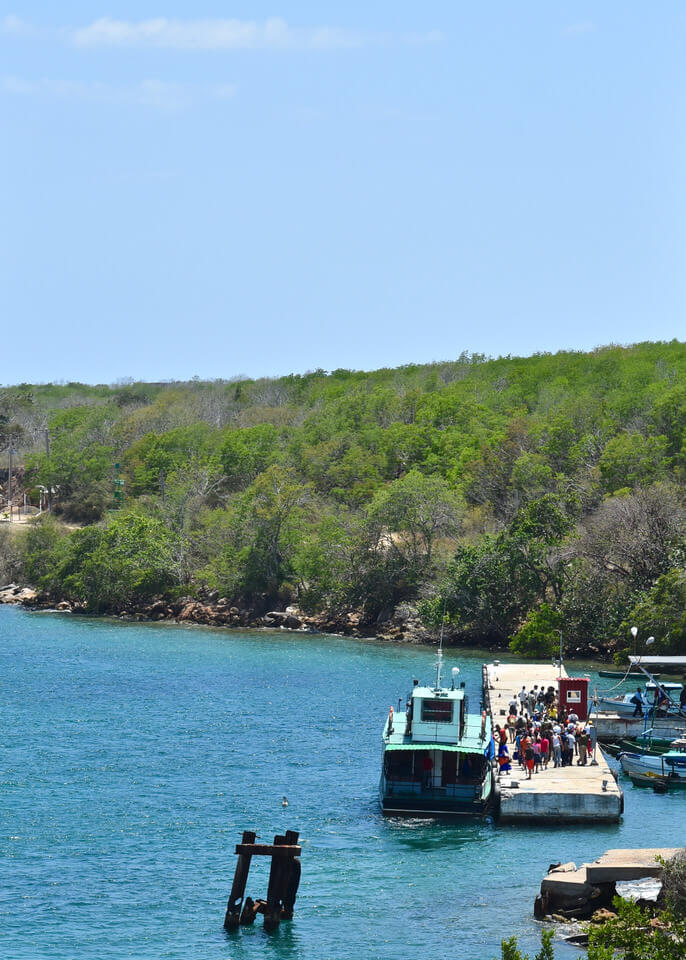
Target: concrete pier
column 567, row 794
column 612, row 727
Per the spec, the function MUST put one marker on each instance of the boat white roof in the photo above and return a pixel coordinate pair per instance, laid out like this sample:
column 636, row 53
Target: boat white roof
column 658, row 661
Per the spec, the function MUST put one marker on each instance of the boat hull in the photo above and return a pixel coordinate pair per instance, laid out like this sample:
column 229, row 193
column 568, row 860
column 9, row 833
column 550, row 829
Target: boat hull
column 630, row 677
column 449, row 813
column 474, row 801
column 643, row 769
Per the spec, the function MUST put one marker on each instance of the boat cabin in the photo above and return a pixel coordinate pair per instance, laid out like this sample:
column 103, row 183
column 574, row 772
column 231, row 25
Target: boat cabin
column 435, row 715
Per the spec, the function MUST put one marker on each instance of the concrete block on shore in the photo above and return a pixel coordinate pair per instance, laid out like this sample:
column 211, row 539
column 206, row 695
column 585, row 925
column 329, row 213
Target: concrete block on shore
column 563, row 882
column 617, row 865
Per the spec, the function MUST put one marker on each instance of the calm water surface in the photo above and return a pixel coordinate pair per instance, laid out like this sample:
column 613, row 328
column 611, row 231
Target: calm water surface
column 134, row 755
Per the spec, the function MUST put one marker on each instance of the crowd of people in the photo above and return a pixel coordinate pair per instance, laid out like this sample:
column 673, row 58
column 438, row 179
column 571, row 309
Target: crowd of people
column 540, row 732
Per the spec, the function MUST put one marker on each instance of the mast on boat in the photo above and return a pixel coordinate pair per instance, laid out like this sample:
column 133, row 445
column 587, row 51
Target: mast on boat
column 439, row 660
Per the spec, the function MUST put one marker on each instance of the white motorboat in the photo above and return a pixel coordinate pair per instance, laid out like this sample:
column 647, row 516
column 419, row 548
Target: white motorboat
column 668, row 768
column 625, row 704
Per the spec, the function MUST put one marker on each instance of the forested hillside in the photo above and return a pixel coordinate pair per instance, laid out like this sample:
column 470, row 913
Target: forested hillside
column 522, row 495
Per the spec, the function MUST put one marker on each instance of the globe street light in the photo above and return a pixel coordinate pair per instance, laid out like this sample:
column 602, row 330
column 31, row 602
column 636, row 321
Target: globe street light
column 560, row 662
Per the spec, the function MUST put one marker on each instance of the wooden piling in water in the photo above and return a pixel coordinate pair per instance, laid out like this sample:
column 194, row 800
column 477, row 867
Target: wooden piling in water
column 284, row 878
column 240, row 878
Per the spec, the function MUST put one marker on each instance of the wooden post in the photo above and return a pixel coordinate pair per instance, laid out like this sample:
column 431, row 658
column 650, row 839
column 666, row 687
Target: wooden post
column 272, row 912
column 292, row 878
column 233, row 907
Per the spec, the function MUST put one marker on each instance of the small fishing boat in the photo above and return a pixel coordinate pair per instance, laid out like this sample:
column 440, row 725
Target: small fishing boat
column 669, row 767
column 437, row 756
column 620, row 674
column 652, row 746
column 624, row 705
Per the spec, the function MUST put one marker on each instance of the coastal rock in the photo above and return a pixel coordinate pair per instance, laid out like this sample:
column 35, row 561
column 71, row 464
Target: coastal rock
column 190, row 611
column 602, row 915
column 281, row 618
column 63, row 605
column 14, row 593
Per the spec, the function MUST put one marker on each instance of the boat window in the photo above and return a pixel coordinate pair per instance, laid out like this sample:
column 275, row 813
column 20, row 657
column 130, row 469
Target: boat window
column 399, row 765
column 437, row 711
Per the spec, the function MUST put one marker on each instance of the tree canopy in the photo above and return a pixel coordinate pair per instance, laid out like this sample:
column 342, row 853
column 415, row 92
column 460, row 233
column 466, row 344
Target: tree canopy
column 513, row 492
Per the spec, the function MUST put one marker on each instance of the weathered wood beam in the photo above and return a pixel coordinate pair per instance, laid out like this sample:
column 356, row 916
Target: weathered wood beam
column 268, row 850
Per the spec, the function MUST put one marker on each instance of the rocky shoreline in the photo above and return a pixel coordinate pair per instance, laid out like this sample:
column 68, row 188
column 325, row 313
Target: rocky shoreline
column 400, row 625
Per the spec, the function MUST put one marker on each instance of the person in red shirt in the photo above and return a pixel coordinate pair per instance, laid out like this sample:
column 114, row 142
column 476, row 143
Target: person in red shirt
column 545, row 752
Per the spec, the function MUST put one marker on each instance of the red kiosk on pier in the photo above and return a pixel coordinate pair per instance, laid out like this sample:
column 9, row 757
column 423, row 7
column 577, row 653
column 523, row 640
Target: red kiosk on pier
column 574, row 695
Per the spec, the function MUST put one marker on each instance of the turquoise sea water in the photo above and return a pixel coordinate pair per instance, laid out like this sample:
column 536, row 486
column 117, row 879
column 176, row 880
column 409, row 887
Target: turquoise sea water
column 134, row 755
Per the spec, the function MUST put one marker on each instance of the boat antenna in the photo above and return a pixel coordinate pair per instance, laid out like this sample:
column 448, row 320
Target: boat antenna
column 439, row 661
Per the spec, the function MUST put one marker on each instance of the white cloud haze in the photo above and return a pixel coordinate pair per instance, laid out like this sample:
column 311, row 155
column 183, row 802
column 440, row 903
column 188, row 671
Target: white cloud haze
column 14, row 24
column 222, row 34
column 159, row 94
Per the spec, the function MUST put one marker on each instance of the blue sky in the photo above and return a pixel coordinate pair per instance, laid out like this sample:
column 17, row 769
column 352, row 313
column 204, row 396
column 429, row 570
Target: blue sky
column 218, row 189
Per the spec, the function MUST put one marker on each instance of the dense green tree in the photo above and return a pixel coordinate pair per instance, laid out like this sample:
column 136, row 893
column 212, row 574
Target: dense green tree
column 128, row 559
column 247, row 453
column 538, row 637
column 489, row 588
column 661, row 613
column 631, row 458
column 669, row 416
column 152, row 458
column 80, row 467
column 39, row 542
column 10, row 555
column 261, row 535
column 413, row 512
column 486, row 591
column 325, row 563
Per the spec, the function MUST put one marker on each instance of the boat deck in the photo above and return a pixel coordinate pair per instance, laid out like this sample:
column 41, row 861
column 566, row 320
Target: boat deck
column 568, row 794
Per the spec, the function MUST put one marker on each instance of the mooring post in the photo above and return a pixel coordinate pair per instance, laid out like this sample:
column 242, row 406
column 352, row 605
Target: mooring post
column 233, row 907
column 284, row 877
column 291, row 878
column 279, row 869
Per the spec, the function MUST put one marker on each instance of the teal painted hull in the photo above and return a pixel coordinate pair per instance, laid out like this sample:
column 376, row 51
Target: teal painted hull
column 474, row 800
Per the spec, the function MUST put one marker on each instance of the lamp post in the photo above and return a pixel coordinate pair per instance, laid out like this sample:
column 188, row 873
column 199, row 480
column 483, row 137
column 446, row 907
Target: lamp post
column 559, row 673
column 634, row 634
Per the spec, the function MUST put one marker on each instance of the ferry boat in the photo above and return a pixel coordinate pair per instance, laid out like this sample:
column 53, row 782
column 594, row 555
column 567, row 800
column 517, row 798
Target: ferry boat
column 668, row 768
column 437, row 757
